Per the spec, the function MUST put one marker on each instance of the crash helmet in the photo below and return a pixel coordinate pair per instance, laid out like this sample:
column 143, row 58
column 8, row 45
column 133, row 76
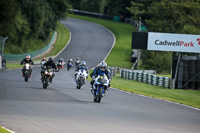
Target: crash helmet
column 50, row 59
column 83, row 63
column 28, row 57
column 78, row 58
column 61, row 59
column 103, row 66
column 44, row 59
column 70, row 60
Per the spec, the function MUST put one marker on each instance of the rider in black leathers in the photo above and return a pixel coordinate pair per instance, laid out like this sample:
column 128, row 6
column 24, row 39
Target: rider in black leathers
column 42, row 67
column 27, row 60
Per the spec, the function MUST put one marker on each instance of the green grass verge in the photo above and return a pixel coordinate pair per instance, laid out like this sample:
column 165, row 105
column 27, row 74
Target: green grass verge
column 186, row 97
column 62, row 39
column 120, row 54
column 2, row 130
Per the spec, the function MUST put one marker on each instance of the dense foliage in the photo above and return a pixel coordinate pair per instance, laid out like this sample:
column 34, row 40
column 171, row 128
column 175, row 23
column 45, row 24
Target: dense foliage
column 29, row 23
column 108, row 7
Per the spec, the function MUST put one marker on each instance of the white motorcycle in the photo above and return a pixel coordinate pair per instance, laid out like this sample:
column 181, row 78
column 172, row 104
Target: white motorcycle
column 27, row 71
column 100, row 85
column 81, row 77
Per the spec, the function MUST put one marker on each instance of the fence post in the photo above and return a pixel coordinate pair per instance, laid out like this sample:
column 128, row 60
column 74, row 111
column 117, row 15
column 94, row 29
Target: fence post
column 126, row 74
column 121, row 73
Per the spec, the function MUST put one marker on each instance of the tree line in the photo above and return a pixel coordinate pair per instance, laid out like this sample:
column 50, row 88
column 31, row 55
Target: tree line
column 29, row 23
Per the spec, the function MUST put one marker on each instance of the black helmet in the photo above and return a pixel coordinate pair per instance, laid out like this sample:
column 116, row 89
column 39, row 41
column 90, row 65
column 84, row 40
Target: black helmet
column 50, row 59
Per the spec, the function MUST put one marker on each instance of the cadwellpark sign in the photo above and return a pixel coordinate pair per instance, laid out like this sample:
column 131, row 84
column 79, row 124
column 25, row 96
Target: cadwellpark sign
column 173, row 42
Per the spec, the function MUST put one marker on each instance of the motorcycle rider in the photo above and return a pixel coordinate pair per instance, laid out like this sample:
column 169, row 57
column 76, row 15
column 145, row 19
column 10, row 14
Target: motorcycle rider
column 42, row 67
column 77, row 62
column 50, row 65
column 70, row 60
column 24, row 61
column 81, row 66
column 101, row 69
column 61, row 61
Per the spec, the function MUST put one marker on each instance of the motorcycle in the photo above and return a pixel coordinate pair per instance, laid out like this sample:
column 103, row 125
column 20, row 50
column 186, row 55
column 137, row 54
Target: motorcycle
column 27, row 72
column 69, row 65
column 81, row 78
column 100, row 85
column 60, row 65
column 42, row 64
column 48, row 76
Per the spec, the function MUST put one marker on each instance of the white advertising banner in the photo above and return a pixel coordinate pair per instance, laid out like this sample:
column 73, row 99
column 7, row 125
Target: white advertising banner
column 173, row 42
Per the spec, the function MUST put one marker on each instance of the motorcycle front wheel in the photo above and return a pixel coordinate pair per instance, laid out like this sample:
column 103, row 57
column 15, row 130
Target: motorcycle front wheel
column 26, row 77
column 45, row 83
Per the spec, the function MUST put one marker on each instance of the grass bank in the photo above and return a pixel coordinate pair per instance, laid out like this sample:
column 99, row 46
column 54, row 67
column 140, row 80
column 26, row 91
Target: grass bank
column 62, row 38
column 120, row 54
column 2, row 130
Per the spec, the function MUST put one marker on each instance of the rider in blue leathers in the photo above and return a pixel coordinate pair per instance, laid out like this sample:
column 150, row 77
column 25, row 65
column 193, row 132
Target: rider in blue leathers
column 81, row 66
column 100, row 70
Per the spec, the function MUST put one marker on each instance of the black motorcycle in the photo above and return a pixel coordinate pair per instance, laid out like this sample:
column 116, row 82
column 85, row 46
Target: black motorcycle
column 48, row 76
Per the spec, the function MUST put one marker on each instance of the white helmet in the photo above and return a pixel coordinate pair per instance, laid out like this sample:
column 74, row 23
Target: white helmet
column 70, row 60
column 103, row 66
column 83, row 63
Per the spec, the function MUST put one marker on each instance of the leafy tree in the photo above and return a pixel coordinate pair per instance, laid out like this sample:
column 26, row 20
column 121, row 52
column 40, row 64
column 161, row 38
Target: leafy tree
column 156, row 60
column 29, row 23
column 8, row 11
column 174, row 16
column 118, row 7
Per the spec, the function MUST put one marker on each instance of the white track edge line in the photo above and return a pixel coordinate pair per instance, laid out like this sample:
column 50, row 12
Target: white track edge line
column 8, row 129
column 156, row 99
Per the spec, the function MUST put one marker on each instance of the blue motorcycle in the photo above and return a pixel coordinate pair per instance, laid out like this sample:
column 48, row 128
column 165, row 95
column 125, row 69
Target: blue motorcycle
column 69, row 65
column 100, row 86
